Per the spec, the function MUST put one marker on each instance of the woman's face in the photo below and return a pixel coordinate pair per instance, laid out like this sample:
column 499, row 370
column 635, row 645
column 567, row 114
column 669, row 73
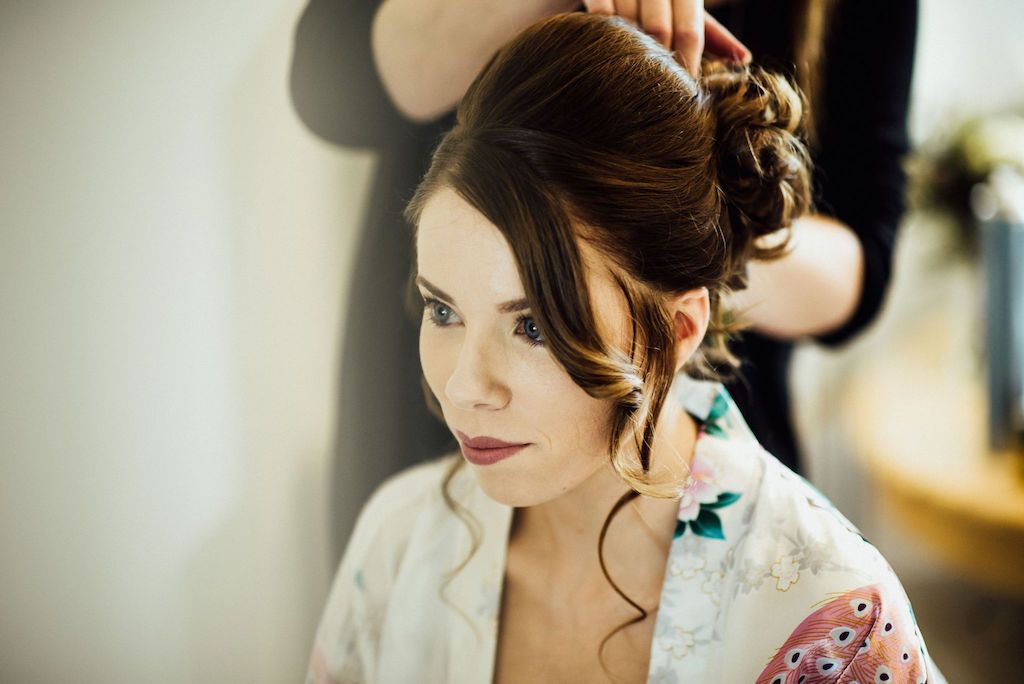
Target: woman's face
column 486, row 368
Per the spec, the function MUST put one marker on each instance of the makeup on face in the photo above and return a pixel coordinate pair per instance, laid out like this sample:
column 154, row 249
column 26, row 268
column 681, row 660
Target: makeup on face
column 486, row 450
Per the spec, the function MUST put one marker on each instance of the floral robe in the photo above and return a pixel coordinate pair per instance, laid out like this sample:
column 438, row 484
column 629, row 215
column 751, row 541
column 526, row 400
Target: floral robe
column 766, row 582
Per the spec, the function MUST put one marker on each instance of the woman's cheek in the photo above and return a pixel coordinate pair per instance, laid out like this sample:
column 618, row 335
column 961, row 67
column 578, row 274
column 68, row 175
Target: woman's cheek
column 432, row 359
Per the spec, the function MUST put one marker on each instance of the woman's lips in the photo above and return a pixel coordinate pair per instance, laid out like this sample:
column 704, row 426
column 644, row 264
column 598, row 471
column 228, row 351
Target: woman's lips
column 489, row 456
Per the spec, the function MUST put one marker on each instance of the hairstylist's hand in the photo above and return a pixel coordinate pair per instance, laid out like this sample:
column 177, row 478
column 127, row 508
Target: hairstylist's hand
column 679, row 25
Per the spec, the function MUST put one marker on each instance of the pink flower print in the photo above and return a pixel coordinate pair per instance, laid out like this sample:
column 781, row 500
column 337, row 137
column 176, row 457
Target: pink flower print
column 689, row 507
column 703, row 488
column 703, row 493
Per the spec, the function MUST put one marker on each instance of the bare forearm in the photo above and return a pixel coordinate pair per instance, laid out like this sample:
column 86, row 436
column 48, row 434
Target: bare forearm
column 815, row 288
column 427, row 52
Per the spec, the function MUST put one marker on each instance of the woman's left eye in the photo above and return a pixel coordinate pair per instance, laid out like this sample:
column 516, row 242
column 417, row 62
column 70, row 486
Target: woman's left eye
column 529, row 329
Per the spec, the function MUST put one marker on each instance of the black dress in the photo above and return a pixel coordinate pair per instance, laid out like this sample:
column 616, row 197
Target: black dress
column 383, row 422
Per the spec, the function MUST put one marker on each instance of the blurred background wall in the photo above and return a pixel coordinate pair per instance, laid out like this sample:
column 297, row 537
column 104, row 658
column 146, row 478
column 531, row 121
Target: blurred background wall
column 967, row 64
column 173, row 253
column 173, row 257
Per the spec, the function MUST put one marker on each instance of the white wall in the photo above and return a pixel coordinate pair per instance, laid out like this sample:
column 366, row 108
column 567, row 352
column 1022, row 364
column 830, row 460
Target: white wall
column 970, row 60
column 173, row 251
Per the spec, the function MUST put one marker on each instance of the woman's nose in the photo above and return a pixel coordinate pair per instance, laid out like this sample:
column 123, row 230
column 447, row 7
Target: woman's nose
column 477, row 380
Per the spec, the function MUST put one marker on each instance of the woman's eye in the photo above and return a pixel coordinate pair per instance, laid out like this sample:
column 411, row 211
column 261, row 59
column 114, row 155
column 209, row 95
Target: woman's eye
column 530, row 330
column 438, row 312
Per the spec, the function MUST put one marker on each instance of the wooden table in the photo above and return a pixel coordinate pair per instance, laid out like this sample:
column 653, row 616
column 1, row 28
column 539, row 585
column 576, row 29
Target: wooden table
column 916, row 415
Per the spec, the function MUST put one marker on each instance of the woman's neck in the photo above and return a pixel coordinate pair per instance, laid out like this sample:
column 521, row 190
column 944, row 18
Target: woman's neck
column 558, row 539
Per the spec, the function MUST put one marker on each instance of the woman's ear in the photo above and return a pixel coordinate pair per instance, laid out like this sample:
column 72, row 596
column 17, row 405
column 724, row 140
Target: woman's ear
column 692, row 314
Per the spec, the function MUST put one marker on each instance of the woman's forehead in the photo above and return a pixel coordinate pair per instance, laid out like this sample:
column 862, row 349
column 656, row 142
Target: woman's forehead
column 455, row 241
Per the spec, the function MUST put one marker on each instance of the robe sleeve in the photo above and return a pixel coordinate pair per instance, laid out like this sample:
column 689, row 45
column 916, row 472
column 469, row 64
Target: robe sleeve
column 816, row 601
column 866, row 634
column 345, row 648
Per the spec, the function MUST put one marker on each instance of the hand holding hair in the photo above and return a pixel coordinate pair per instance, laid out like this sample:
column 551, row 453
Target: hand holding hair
column 680, row 25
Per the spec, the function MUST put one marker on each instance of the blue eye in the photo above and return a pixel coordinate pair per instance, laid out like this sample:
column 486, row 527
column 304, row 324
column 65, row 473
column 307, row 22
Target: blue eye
column 433, row 306
column 438, row 314
column 529, row 329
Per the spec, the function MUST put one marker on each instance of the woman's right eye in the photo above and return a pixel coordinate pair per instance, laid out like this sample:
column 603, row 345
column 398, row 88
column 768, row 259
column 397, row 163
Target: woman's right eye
column 437, row 311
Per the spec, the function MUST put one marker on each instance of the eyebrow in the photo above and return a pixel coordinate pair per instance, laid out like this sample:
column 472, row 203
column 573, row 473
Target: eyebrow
column 511, row 306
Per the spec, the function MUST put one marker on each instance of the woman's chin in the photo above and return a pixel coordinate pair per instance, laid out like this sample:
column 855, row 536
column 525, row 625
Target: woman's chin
column 501, row 487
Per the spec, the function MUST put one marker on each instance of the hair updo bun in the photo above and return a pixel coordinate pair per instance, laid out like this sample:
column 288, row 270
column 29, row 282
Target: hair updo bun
column 763, row 162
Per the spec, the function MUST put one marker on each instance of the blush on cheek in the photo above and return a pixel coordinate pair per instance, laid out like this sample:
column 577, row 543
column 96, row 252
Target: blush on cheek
column 432, row 375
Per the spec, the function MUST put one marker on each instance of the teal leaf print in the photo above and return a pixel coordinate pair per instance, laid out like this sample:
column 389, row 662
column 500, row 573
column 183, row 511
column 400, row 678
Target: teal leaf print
column 707, row 524
column 680, row 529
column 713, row 430
column 724, row 499
column 718, row 408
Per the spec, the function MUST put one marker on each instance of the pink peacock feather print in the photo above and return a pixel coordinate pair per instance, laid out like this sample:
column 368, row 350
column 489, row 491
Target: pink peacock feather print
column 858, row 637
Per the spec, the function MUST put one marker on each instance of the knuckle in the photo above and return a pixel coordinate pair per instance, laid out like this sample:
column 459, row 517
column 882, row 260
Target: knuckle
column 689, row 37
column 659, row 29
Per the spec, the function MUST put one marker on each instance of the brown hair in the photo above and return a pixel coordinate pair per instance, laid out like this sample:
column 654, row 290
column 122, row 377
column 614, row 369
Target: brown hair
column 585, row 128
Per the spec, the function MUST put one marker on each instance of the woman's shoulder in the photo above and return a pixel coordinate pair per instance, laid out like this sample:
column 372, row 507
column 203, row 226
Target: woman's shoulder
column 815, row 595
column 793, row 519
column 352, row 621
column 778, row 514
column 396, row 506
column 403, row 495
column 798, row 545
column 795, row 582
column 400, row 510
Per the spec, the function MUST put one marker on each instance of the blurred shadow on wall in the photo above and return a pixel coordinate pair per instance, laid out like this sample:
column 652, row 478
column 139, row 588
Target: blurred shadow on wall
column 383, row 422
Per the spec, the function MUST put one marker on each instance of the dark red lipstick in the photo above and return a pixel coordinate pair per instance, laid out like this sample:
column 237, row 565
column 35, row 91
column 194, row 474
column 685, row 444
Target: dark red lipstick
column 487, row 450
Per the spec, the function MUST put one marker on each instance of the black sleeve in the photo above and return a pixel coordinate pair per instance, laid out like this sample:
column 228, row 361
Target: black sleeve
column 334, row 84
column 860, row 176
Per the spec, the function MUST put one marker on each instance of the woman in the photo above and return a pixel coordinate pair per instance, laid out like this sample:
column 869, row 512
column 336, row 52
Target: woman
column 575, row 235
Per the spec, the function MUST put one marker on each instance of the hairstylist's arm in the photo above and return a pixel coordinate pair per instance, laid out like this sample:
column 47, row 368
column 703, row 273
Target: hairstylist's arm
column 811, row 290
column 428, row 51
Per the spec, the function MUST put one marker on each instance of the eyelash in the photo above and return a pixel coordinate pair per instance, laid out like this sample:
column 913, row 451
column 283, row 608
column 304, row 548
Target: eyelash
column 429, row 302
